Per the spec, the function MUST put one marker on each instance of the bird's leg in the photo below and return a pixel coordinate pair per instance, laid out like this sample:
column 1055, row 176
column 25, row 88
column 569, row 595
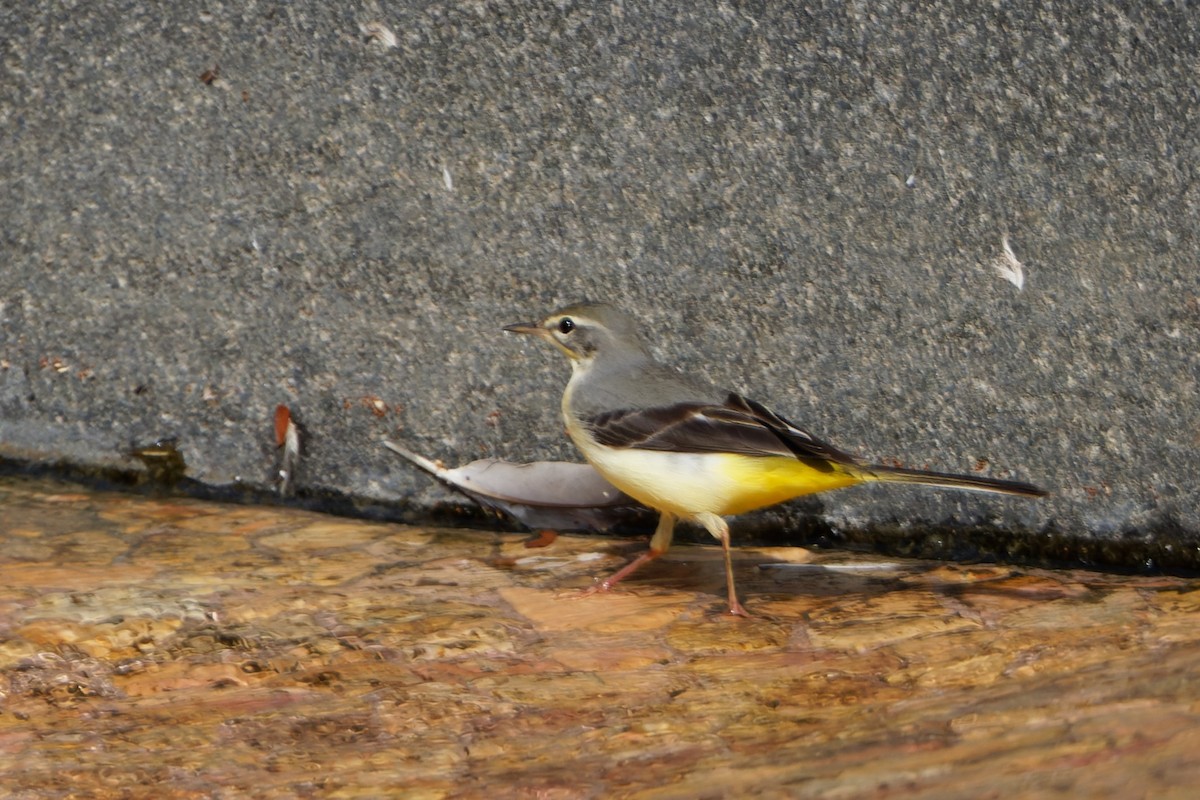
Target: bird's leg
column 719, row 528
column 659, row 544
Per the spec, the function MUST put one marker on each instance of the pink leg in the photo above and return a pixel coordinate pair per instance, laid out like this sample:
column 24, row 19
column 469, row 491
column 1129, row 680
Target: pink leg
column 719, row 528
column 659, row 544
column 627, row 570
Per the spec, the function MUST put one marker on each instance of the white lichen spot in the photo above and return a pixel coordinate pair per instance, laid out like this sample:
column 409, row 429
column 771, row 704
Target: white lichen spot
column 447, row 179
column 1011, row 269
column 378, row 32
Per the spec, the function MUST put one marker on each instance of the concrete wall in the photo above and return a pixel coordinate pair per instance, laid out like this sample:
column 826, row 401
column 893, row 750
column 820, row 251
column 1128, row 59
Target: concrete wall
column 802, row 202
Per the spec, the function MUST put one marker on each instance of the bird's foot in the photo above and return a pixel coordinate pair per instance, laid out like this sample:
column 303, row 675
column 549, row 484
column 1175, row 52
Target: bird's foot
column 600, row 587
column 736, row 609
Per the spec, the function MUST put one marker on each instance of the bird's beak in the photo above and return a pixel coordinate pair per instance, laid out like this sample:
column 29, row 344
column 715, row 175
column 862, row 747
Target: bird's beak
column 539, row 330
column 526, row 327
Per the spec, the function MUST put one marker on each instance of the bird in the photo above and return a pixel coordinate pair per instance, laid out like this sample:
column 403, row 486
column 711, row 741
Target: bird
column 690, row 451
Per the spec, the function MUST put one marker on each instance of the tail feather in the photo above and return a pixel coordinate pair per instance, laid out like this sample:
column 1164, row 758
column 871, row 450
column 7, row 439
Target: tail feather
column 878, row 472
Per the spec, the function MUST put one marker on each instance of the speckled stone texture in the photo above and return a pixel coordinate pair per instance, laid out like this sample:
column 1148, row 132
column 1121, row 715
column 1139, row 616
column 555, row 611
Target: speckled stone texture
column 209, row 210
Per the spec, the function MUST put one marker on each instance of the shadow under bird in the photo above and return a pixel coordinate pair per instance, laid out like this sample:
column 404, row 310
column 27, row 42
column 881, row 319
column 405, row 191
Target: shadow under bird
column 690, row 451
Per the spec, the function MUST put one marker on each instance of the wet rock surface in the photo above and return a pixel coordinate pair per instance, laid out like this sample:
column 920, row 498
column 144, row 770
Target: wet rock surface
column 184, row 649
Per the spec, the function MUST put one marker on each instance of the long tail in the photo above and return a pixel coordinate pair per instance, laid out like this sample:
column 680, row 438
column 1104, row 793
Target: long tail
column 878, row 472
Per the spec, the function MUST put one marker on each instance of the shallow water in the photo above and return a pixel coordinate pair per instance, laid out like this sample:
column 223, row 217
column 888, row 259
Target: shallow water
column 182, row 649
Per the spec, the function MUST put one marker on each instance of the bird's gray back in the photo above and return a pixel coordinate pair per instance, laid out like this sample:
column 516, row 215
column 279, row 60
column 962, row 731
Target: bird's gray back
column 645, row 384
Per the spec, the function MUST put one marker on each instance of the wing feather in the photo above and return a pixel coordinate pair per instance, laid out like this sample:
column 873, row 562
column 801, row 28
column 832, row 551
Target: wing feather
column 738, row 425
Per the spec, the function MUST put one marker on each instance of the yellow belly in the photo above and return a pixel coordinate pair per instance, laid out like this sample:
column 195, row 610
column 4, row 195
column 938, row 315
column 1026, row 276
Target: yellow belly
column 687, row 484
column 766, row 481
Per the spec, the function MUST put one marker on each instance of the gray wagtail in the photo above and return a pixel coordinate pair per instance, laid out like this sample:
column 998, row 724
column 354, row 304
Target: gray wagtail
column 689, row 451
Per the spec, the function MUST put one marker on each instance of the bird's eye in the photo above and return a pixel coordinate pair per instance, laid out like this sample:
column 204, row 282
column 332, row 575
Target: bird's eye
column 566, row 325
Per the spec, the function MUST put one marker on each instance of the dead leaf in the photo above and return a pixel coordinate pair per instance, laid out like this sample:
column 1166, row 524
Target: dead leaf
column 541, row 494
column 544, row 538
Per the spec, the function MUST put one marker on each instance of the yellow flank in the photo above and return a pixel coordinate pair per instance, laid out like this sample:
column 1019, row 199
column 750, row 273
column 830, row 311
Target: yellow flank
column 758, row 482
column 687, row 484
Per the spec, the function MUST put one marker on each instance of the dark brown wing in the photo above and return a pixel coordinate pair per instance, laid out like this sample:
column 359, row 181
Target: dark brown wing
column 802, row 443
column 737, row 426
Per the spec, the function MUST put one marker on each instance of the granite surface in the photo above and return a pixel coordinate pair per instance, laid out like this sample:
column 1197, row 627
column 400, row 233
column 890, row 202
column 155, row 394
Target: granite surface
column 210, row 210
column 184, row 650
